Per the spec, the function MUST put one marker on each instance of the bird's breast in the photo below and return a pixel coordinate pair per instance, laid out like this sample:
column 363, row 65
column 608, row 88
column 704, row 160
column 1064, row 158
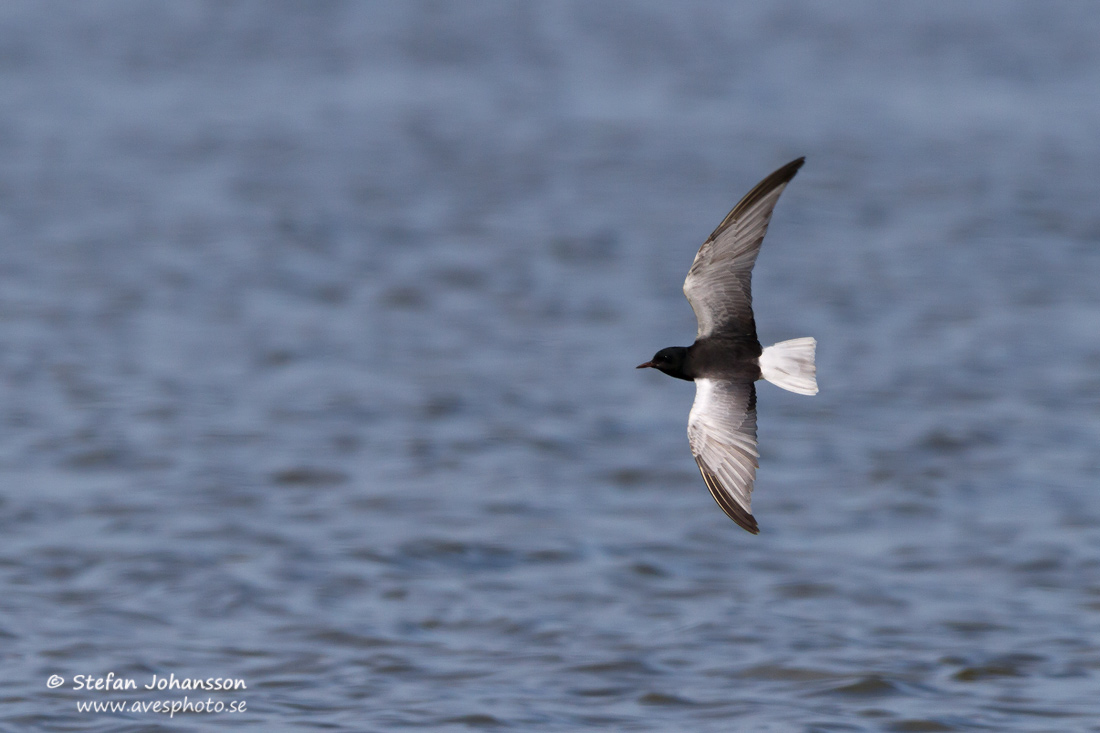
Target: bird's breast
column 725, row 358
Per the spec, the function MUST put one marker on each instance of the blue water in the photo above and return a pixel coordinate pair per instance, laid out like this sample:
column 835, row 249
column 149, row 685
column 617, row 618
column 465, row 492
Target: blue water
column 318, row 325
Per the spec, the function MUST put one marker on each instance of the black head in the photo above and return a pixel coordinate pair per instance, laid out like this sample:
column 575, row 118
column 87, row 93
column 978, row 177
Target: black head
column 671, row 361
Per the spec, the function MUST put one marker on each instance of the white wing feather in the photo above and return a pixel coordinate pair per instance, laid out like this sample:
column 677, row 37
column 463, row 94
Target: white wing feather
column 719, row 283
column 722, row 433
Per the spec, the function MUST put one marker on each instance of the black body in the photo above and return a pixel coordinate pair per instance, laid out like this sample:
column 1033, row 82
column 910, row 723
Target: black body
column 713, row 357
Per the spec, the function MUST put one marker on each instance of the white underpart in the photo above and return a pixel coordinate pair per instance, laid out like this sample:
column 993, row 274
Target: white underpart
column 790, row 365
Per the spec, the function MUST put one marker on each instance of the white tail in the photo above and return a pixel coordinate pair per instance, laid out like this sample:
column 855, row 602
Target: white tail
column 790, row 365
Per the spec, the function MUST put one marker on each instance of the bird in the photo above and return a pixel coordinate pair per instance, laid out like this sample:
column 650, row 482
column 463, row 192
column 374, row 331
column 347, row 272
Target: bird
column 726, row 360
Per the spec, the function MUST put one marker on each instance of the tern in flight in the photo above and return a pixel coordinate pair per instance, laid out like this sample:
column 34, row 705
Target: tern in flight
column 726, row 359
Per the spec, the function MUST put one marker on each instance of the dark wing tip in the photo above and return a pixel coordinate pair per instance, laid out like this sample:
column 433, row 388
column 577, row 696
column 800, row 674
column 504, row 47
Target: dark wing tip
column 732, row 509
column 785, row 173
column 776, row 178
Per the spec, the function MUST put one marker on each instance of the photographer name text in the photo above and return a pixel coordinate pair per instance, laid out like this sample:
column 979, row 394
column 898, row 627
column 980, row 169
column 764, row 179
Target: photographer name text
column 112, row 682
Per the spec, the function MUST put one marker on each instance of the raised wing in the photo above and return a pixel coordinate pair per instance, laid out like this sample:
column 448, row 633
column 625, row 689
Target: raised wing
column 718, row 285
column 722, row 433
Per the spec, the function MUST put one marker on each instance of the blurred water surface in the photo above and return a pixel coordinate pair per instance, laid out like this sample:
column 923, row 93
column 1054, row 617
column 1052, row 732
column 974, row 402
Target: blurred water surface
column 318, row 325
